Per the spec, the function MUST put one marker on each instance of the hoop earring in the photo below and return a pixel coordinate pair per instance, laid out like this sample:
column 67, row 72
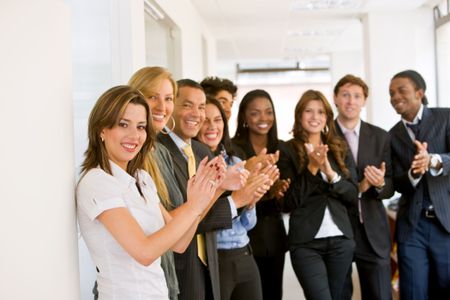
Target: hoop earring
column 325, row 129
column 166, row 130
column 245, row 125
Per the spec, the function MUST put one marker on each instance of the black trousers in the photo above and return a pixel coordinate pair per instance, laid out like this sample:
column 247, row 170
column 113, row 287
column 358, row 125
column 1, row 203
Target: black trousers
column 271, row 272
column 239, row 275
column 321, row 266
column 374, row 271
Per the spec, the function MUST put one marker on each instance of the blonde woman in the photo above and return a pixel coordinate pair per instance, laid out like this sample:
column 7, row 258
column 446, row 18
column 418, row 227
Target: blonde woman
column 158, row 87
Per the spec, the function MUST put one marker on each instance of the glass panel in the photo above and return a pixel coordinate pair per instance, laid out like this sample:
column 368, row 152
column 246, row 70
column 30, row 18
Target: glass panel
column 92, row 75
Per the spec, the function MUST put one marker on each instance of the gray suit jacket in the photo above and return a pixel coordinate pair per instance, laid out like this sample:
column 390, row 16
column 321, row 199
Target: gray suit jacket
column 190, row 271
column 435, row 130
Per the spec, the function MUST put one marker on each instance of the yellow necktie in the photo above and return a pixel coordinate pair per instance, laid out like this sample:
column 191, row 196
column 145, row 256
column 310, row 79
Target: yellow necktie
column 201, row 250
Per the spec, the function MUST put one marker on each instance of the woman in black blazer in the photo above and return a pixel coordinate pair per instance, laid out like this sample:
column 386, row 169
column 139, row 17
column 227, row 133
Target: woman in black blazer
column 320, row 235
column 257, row 130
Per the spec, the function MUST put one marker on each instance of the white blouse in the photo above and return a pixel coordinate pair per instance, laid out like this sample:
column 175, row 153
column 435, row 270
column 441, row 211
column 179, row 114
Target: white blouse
column 120, row 275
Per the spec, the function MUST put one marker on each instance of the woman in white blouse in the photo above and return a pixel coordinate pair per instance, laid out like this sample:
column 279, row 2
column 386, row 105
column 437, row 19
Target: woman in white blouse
column 125, row 227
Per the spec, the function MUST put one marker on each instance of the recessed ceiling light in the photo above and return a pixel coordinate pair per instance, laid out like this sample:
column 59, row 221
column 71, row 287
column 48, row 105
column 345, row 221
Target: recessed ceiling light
column 327, row 32
column 325, row 4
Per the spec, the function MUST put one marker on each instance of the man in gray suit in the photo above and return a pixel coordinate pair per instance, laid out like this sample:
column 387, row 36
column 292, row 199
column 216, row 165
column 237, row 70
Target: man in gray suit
column 198, row 280
column 370, row 147
column 421, row 164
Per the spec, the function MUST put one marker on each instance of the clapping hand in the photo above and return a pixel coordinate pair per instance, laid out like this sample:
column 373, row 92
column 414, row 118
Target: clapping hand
column 421, row 160
column 235, row 177
column 279, row 188
column 373, row 176
column 317, row 155
column 263, row 158
column 202, row 186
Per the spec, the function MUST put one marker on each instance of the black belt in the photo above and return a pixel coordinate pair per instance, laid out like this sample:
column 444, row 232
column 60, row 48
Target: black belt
column 246, row 250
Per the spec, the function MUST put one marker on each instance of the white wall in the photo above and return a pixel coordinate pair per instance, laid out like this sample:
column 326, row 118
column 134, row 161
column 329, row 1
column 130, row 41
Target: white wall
column 346, row 62
column 443, row 63
column 192, row 28
column 396, row 41
column 38, row 253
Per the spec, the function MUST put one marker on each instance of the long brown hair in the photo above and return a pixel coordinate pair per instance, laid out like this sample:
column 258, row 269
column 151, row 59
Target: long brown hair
column 329, row 136
column 106, row 113
column 148, row 80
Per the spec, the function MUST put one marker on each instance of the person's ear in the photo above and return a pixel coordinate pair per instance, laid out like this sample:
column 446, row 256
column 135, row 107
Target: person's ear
column 102, row 135
column 420, row 93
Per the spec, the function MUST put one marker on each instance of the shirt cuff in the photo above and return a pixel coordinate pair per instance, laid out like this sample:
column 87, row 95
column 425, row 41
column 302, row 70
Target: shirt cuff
column 435, row 172
column 379, row 189
column 336, row 178
column 414, row 181
column 233, row 208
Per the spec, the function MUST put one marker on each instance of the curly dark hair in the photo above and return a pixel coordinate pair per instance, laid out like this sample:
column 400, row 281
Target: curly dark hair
column 213, row 85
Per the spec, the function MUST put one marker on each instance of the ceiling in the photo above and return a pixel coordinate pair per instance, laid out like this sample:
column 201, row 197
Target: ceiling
column 280, row 30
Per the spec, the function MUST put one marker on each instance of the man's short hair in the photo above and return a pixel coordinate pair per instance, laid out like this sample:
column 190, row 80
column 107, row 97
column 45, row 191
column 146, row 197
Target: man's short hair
column 188, row 83
column 349, row 78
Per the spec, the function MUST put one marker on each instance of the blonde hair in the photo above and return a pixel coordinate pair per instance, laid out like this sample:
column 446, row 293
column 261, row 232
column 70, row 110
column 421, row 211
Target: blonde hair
column 148, row 80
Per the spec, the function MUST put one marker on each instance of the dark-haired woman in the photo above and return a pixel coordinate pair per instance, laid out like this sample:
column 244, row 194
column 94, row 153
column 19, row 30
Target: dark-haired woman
column 320, row 235
column 122, row 221
column 256, row 131
column 239, row 275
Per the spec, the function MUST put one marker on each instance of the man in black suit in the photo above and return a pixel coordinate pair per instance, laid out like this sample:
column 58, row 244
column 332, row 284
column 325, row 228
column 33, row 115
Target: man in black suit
column 420, row 145
column 197, row 281
column 370, row 147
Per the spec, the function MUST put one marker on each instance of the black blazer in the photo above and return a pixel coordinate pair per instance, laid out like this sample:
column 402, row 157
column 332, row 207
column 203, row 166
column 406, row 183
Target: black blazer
column 373, row 149
column 435, row 130
column 268, row 237
column 309, row 194
column 188, row 266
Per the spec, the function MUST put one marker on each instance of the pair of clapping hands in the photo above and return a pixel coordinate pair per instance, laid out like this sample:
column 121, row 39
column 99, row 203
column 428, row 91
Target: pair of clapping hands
column 265, row 163
column 248, row 180
column 318, row 160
